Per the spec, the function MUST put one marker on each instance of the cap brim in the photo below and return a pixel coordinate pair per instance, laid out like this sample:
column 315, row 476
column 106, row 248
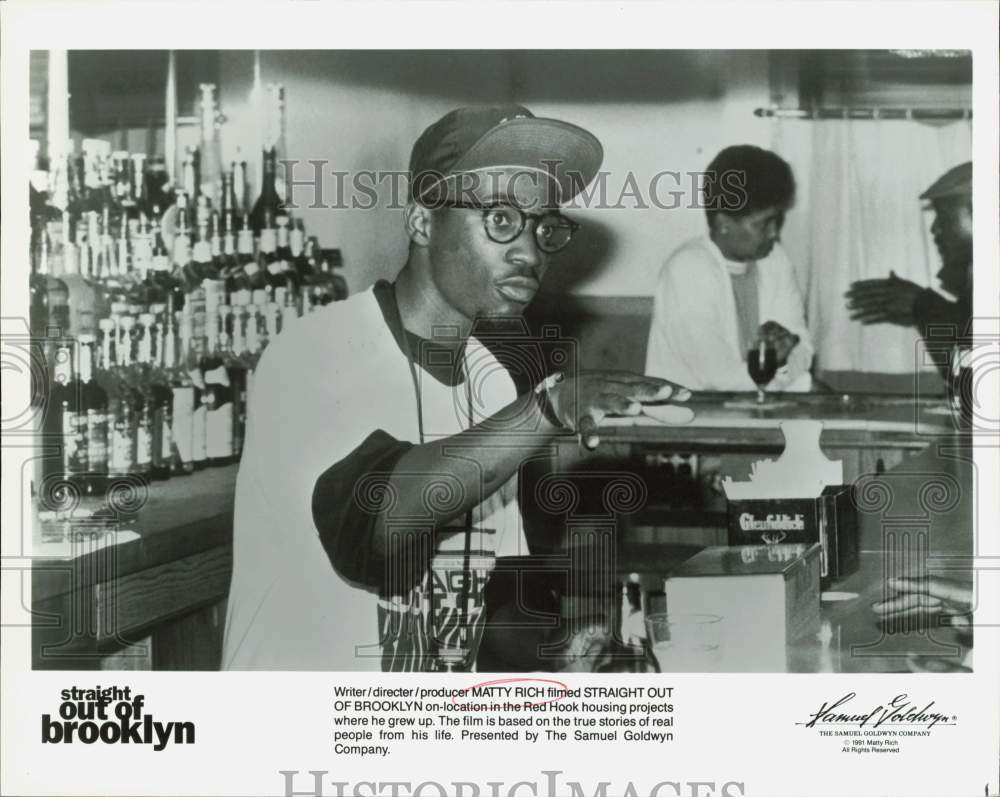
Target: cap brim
column 569, row 154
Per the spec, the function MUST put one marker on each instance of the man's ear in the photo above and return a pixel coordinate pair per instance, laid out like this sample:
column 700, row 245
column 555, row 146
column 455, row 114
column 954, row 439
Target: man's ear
column 419, row 222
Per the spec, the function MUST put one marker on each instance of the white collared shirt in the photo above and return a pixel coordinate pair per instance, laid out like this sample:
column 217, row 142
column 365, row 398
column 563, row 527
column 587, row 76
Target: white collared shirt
column 694, row 336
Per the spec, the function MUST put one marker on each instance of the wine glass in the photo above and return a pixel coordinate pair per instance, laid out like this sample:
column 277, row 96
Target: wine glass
column 762, row 365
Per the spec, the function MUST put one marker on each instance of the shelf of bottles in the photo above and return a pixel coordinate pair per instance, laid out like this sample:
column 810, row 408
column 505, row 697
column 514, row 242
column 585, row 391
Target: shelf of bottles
column 150, row 307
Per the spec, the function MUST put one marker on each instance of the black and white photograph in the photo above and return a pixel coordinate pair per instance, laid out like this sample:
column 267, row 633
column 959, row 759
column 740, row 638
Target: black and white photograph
column 521, row 370
column 339, row 403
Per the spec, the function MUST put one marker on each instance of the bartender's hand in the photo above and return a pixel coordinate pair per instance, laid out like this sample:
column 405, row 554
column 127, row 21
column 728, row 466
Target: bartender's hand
column 581, row 403
column 881, row 301
column 777, row 338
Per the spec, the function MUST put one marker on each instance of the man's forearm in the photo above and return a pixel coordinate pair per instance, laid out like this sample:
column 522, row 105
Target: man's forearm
column 470, row 466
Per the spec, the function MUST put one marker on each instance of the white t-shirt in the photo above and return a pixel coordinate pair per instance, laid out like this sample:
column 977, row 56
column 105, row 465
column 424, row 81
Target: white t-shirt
column 320, row 389
column 694, row 336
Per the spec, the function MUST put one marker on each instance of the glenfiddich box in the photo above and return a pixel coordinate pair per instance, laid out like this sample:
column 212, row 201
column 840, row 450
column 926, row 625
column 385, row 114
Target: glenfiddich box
column 767, row 597
column 831, row 519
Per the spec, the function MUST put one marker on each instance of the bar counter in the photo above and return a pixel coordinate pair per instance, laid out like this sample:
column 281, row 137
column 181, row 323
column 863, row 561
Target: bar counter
column 147, row 589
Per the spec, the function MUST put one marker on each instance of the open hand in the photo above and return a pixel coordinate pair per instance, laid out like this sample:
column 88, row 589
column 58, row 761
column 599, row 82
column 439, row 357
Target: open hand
column 581, row 403
column 882, row 301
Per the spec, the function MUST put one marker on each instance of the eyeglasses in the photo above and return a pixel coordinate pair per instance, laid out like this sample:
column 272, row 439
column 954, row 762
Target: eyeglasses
column 504, row 223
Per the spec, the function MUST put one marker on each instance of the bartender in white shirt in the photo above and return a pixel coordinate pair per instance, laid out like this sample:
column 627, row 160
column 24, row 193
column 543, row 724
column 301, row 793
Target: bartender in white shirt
column 721, row 293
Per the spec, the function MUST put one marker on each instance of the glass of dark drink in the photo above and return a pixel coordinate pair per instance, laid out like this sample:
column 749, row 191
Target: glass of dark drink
column 762, row 365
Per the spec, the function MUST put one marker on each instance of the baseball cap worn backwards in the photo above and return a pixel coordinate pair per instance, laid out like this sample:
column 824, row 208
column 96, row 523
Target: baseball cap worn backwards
column 476, row 140
column 956, row 182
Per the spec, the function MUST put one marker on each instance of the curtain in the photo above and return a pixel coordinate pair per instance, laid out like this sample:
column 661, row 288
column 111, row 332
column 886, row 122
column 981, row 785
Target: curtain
column 858, row 216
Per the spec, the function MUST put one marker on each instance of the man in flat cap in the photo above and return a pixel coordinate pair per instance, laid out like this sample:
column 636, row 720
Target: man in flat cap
column 898, row 301
column 378, row 482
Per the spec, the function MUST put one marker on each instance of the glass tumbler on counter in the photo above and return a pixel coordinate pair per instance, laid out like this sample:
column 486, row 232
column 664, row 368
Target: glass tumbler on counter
column 685, row 642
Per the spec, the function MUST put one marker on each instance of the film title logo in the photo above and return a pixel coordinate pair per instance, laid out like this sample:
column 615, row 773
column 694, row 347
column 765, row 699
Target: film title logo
column 110, row 715
column 772, row 522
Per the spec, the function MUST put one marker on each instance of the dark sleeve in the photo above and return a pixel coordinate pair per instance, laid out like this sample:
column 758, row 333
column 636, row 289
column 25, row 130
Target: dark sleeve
column 941, row 322
column 346, row 525
column 931, row 308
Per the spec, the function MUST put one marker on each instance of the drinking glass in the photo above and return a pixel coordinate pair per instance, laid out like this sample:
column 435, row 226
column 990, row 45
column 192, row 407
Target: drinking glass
column 685, row 642
column 762, row 365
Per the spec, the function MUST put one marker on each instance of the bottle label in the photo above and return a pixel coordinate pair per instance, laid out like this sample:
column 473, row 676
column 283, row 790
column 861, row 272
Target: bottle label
column 251, row 268
column 166, row 433
column 276, row 268
column 122, row 459
column 282, row 235
column 296, row 242
column 182, row 428
column 219, row 429
column 182, row 250
column 143, row 444
column 74, row 442
column 267, row 241
column 199, row 440
column 97, row 441
column 161, row 263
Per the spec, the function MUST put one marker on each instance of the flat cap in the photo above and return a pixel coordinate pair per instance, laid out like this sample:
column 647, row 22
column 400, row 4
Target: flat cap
column 954, row 182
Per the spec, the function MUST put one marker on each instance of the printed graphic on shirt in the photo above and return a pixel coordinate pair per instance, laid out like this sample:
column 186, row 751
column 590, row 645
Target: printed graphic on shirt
column 440, row 620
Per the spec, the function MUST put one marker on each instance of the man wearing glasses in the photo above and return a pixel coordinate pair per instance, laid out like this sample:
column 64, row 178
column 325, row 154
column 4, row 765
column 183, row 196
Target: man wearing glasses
column 378, row 480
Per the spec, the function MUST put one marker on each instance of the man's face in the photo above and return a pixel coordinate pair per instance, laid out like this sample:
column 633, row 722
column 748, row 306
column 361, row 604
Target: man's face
column 749, row 237
column 952, row 231
column 477, row 276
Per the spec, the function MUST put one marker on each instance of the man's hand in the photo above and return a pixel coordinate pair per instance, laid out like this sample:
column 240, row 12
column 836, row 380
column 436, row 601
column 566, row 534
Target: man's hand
column 582, row 403
column 883, row 301
column 923, row 597
column 949, row 602
column 777, row 338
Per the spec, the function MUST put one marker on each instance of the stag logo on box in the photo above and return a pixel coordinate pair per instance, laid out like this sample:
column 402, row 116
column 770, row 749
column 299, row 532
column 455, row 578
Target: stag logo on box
column 110, row 715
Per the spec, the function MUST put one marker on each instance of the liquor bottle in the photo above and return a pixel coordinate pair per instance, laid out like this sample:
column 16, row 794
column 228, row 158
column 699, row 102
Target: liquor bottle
column 227, row 197
column 120, row 181
column 268, row 205
column 216, row 245
column 160, row 278
column 275, row 130
column 226, row 232
column 237, row 363
column 142, row 249
column 176, row 358
column 189, row 174
column 86, row 298
column 139, row 193
column 217, row 392
column 58, row 430
column 210, row 161
column 142, row 400
column 123, row 250
column 273, row 270
column 56, row 293
column 107, row 265
column 94, row 406
column 252, row 277
column 181, row 251
column 121, row 422
column 161, row 396
column 287, row 260
column 239, row 188
column 197, row 349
